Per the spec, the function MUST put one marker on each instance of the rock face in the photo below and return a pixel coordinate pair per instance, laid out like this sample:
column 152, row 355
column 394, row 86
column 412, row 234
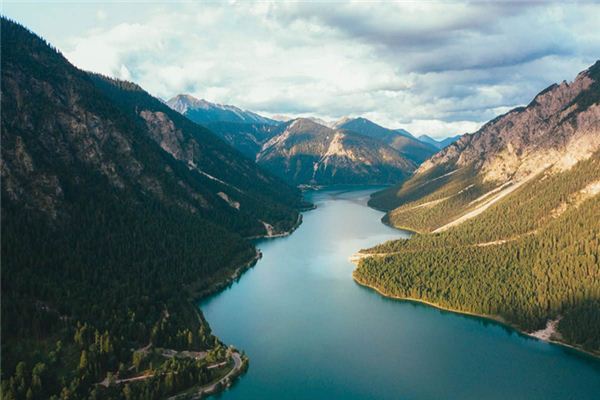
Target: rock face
column 399, row 139
column 559, row 128
column 304, row 152
column 204, row 112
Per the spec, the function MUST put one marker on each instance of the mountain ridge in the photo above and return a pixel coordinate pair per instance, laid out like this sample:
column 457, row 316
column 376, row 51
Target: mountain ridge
column 440, row 144
column 399, row 139
column 249, row 133
column 202, row 111
column 506, row 221
column 512, row 147
column 116, row 212
column 305, row 152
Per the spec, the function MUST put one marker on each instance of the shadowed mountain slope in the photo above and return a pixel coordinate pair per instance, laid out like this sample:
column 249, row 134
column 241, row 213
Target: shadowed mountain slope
column 116, row 212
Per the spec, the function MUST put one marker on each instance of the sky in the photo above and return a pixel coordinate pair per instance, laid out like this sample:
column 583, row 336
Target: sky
column 436, row 68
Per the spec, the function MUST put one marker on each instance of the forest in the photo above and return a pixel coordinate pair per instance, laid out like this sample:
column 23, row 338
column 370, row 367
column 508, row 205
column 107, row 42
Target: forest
column 107, row 239
column 531, row 257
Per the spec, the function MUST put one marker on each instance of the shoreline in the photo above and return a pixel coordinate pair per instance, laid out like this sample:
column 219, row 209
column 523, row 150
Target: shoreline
column 220, row 285
column 226, row 282
column 398, row 228
column 356, row 257
column 493, row 318
column 285, row 233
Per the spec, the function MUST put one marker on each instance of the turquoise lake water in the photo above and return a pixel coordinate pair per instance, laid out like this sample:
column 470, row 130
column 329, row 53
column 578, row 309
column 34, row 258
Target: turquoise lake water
column 312, row 333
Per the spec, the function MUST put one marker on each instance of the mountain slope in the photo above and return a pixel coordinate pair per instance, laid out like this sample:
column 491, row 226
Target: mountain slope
column 404, row 142
column 439, row 144
column 247, row 138
column 512, row 215
column 304, row 152
column 557, row 129
column 116, row 211
column 237, row 177
column 204, row 112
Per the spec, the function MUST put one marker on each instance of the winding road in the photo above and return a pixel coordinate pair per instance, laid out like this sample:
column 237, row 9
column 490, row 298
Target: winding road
column 212, row 388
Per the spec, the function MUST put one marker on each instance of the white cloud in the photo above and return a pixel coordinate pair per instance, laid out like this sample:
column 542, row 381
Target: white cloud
column 431, row 68
column 440, row 129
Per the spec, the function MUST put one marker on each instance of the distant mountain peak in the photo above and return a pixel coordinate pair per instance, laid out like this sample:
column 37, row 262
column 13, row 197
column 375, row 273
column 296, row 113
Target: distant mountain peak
column 183, row 102
column 305, row 151
column 203, row 111
column 399, row 139
column 305, row 122
column 281, row 117
column 353, row 120
column 440, row 144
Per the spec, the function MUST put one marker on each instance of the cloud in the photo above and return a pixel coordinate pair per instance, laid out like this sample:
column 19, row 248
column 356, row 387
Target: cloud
column 101, row 15
column 432, row 68
column 441, row 129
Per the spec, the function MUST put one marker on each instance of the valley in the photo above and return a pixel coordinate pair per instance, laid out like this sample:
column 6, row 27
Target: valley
column 183, row 248
column 309, row 151
column 329, row 337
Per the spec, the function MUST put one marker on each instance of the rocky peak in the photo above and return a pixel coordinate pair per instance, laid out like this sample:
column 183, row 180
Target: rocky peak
column 551, row 131
column 203, row 112
column 184, row 102
column 305, row 124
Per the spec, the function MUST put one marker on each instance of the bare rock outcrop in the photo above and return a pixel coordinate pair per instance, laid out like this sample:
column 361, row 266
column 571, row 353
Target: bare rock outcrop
column 558, row 128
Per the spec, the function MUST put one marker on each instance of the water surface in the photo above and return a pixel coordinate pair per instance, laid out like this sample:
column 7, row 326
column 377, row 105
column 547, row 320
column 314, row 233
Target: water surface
column 312, row 333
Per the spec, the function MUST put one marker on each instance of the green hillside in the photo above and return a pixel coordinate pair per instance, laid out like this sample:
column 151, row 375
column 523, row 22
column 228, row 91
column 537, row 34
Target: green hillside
column 531, row 257
column 507, row 220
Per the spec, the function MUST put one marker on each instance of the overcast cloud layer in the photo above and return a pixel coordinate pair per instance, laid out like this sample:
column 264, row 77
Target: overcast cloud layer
column 431, row 68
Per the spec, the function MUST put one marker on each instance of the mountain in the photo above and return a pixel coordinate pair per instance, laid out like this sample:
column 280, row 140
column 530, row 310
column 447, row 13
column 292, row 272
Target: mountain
column 304, row 152
column 117, row 213
column 281, row 118
column 557, row 129
column 320, row 121
column 440, row 144
column 404, row 132
column 204, row 112
column 401, row 140
column 508, row 218
column 247, row 138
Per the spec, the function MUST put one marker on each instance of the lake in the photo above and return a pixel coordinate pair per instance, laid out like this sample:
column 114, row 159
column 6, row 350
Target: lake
column 312, row 333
